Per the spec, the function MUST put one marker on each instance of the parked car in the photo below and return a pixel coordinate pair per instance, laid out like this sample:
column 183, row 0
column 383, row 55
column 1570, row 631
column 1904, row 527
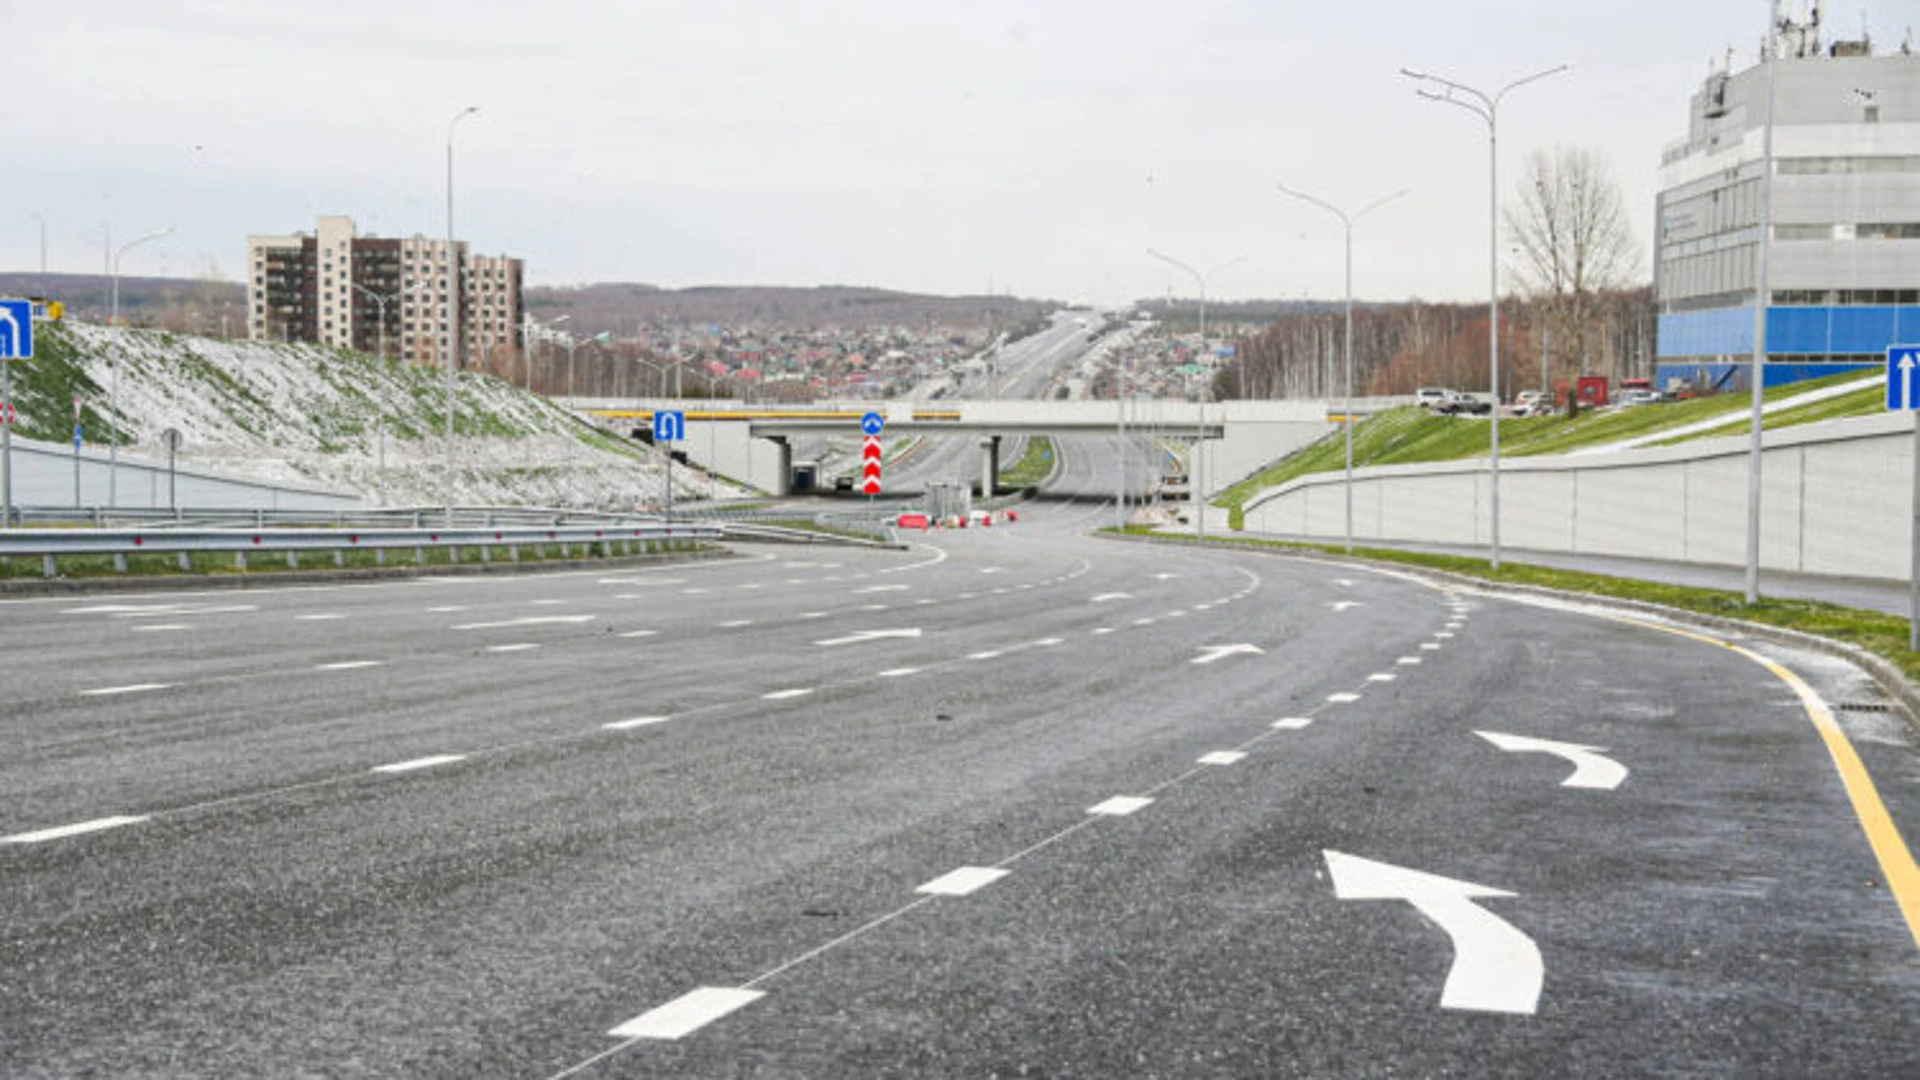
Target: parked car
column 1638, row 396
column 1432, row 397
column 1459, row 403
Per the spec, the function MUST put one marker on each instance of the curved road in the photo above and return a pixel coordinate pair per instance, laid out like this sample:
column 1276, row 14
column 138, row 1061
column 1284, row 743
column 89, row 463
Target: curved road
column 1014, row 801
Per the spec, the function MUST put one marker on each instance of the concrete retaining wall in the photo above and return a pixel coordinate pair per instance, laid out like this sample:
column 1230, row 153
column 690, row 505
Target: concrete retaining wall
column 1835, row 499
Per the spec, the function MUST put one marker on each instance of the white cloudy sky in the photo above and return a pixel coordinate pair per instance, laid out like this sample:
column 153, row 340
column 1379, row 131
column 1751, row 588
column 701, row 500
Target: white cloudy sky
column 933, row 145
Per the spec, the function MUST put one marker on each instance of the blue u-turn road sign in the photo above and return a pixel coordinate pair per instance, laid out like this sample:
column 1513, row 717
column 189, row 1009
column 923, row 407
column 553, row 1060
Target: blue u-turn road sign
column 873, row 423
column 1903, row 377
column 669, row 426
column 16, row 329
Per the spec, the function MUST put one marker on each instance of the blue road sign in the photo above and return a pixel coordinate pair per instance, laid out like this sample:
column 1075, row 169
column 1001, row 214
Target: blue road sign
column 1903, row 377
column 669, row 426
column 873, row 423
column 76, row 436
column 16, row 329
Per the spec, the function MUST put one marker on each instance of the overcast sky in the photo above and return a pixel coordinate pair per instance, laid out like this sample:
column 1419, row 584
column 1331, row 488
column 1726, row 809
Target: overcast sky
column 929, row 145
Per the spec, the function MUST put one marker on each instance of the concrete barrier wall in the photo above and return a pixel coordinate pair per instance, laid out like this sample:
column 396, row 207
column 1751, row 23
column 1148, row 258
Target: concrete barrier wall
column 1835, row 499
column 43, row 476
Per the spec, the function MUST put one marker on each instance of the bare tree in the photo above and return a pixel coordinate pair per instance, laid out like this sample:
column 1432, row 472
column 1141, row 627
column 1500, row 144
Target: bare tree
column 1571, row 242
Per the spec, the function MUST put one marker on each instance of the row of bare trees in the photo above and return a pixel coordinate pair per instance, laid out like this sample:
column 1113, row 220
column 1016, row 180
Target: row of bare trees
column 1581, row 312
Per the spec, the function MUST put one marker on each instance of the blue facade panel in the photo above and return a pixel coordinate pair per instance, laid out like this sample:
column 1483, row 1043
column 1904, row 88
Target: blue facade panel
column 1722, row 378
column 1791, row 331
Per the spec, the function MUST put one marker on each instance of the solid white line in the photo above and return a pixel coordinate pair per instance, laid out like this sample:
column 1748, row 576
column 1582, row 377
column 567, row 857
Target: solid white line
column 79, row 829
column 420, row 763
column 132, row 689
column 1120, row 805
column 1342, row 699
column 1292, row 723
column 687, row 1013
column 1222, row 757
column 782, row 695
column 639, row 633
column 962, row 881
column 519, row 647
column 350, row 665
column 899, row 672
column 638, row 721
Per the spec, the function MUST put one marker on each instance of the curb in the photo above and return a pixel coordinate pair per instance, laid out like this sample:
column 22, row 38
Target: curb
column 1890, row 679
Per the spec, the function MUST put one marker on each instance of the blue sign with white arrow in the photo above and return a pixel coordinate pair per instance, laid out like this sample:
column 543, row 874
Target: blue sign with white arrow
column 873, row 423
column 16, row 329
column 669, row 425
column 1902, row 380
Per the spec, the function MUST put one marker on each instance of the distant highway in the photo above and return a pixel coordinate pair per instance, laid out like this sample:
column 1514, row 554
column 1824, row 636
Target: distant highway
column 1014, row 801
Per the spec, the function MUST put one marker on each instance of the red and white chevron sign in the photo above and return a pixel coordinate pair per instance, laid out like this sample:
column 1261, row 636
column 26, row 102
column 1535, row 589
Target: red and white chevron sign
column 870, row 471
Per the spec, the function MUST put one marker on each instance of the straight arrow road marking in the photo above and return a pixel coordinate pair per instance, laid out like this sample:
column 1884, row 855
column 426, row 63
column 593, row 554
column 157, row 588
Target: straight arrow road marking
column 860, row 636
column 1214, row 652
column 1591, row 768
column 1496, row 968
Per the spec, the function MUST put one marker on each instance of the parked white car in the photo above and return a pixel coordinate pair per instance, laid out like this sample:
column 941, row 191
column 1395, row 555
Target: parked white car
column 1432, row 397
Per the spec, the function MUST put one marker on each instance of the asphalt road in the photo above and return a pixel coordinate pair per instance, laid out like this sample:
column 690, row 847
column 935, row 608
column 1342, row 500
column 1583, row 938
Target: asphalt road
column 1012, row 802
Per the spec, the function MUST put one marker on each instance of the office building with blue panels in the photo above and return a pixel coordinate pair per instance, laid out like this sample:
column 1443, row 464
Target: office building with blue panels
column 1844, row 261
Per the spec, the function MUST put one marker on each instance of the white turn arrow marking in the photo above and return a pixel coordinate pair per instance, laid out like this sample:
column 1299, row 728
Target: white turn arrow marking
column 1591, row 768
column 1214, row 652
column 859, row 636
column 1496, row 968
column 1342, row 605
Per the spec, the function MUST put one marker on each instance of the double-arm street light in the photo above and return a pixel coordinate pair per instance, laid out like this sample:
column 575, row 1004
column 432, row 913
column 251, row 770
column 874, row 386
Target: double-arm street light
column 1346, row 410
column 113, row 317
column 455, row 294
column 1487, row 108
column 1197, row 482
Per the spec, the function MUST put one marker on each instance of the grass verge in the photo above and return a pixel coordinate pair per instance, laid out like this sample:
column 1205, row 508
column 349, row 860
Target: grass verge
column 1032, row 467
column 269, row 563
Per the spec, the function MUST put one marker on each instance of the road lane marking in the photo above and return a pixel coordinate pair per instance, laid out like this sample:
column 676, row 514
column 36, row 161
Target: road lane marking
column 735, row 624
column 1049, row 642
column 61, row 832
column 988, row 655
column 1429, row 645
column 528, row 620
column 321, row 616
column 1107, row 597
column 1382, row 676
column 813, row 615
column 1591, row 768
column 1496, row 967
column 638, row 721
column 639, row 633
column 151, row 628
column 547, row 603
column 1443, row 635
column 350, row 665
column 1222, row 757
column 965, row 880
column 1098, row 630
column 1120, row 806
column 879, row 589
column 861, row 636
column 1292, row 723
column 420, row 763
column 1408, row 660
column 521, row 646
column 687, row 1013
column 1342, row 698
column 1143, row 621
column 783, row 695
column 1215, row 652
column 446, row 609
column 899, row 672
column 131, row 688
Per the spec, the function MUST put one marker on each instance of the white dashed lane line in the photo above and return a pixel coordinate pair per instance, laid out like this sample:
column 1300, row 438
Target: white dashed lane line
column 899, row 672
column 687, row 1013
column 151, row 628
column 319, row 616
column 78, row 829
column 783, row 695
column 636, row 722
column 521, row 646
column 419, row 763
column 349, row 665
column 132, row 688
column 1342, row 698
column 1222, row 757
column 965, row 880
column 1292, row 723
column 1120, row 806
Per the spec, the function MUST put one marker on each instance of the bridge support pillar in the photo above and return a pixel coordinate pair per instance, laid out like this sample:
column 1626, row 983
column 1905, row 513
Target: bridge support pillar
column 783, row 473
column 989, row 465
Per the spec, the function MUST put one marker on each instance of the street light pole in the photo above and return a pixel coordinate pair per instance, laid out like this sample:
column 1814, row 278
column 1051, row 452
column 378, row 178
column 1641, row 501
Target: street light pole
column 1487, row 108
column 1346, row 410
column 454, row 296
column 1197, row 483
column 113, row 405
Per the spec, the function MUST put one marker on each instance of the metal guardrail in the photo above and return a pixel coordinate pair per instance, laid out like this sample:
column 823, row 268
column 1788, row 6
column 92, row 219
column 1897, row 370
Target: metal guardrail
column 389, row 517
column 49, row 545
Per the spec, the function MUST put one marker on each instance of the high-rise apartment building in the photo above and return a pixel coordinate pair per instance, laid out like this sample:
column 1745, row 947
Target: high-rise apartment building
column 1844, row 258
column 301, row 288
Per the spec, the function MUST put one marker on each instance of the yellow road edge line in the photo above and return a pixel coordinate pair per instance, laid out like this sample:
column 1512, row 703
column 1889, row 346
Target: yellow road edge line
column 1883, row 836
